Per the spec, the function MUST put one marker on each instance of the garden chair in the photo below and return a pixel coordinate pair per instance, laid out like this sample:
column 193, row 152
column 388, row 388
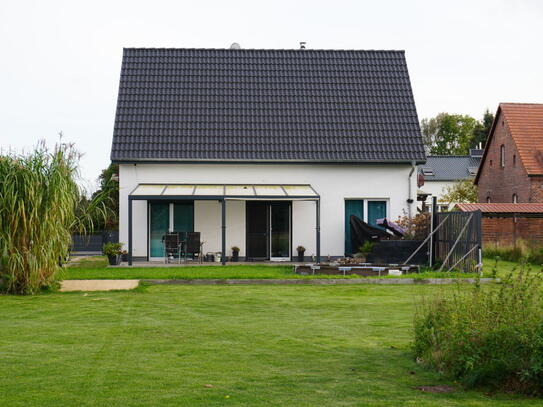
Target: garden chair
column 193, row 246
column 172, row 246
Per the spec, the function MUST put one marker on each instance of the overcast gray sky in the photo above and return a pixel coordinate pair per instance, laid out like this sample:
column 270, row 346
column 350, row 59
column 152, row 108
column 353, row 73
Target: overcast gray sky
column 60, row 60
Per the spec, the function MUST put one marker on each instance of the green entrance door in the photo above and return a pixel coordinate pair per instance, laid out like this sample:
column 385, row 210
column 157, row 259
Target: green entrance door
column 376, row 210
column 352, row 207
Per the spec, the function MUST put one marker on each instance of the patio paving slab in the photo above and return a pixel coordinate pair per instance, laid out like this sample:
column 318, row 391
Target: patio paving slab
column 98, row 285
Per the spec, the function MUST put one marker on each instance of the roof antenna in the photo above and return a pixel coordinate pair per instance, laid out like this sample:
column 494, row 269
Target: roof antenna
column 302, row 44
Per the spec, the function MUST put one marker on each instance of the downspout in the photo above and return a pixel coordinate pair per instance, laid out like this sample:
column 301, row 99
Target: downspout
column 409, row 199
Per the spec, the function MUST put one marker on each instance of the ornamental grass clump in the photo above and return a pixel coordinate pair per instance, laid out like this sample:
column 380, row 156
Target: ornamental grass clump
column 38, row 200
column 486, row 335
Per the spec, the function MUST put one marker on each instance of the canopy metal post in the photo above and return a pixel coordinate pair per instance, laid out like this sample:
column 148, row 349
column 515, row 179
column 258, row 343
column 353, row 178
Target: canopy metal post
column 130, row 230
column 318, row 228
column 223, row 210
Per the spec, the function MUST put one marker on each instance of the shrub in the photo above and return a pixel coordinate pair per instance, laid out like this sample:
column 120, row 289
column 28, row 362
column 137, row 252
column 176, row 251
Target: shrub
column 38, row 196
column 486, row 336
column 417, row 227
column 39, row 200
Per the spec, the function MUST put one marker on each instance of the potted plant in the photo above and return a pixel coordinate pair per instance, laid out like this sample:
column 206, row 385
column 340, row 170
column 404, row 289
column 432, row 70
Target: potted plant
column 124, row 255
column 235, row 253
column 363, row 251
column 301, row 251
column 113, row 252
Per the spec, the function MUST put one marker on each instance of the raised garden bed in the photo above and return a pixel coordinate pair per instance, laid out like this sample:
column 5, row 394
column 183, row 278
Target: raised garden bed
column 360, row 269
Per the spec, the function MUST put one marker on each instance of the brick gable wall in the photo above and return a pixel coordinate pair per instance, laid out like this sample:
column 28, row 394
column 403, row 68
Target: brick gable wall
column 501, row 183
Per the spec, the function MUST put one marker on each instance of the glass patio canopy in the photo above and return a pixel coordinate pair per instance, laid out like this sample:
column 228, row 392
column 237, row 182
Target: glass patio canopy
column 224, row 191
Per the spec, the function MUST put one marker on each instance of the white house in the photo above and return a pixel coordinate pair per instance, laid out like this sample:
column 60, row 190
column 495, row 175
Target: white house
column 441, row 172
column 262, row 149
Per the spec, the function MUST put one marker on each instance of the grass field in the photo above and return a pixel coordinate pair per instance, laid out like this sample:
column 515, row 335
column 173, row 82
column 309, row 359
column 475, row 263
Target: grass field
column 220, row 346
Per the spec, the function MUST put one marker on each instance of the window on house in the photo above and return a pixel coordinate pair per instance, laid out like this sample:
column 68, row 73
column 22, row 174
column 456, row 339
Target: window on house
column 487, row 199
column 491, row 163
column 502, row 156
column 515, row 198
column 514, row 160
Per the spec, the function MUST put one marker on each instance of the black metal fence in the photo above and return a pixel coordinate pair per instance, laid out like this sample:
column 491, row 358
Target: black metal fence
column 457, row 240
column 93, row 242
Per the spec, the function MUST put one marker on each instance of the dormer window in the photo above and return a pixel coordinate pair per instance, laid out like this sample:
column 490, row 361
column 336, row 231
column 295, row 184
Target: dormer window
column 502, row 156
column 428, row 172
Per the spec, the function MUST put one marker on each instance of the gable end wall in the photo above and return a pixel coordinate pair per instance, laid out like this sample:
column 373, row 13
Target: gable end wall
column 501, row 183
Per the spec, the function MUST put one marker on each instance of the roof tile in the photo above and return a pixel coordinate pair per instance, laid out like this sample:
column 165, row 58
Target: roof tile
column 271, row 105
column 525, row 121
column 501, row 207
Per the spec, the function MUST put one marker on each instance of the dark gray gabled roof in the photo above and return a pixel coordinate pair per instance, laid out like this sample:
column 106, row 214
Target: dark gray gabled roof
column 450, row 167
column 265, row 105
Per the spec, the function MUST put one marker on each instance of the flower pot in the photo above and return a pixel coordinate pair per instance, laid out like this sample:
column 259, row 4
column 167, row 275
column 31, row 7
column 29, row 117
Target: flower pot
column 301, row 256
column 235, row 255
column 114, row 260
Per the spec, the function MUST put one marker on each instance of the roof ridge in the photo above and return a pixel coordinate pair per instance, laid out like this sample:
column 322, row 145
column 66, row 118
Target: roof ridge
column 448, row 156
column 264, row 49
column 521, row 103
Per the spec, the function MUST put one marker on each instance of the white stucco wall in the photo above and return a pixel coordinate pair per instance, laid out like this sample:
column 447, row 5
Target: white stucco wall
column 334, row 183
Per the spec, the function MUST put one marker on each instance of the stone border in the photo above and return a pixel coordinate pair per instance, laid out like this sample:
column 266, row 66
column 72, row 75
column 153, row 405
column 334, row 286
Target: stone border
column 318, row 281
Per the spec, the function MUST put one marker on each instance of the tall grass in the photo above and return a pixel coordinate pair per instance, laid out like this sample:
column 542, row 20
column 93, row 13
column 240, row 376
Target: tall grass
column 522, row 251
column 38, row 203
column 486, row 336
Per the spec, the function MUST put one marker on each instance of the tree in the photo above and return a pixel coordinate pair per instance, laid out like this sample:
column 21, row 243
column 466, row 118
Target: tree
column 448, row 134
column 109, row 191
column 482, row 130
column 464, row 191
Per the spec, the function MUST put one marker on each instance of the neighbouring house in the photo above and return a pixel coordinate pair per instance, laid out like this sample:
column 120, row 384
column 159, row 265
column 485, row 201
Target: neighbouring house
column 262, row 149
column 511, row 169
column 504, row 224
column 443, row 171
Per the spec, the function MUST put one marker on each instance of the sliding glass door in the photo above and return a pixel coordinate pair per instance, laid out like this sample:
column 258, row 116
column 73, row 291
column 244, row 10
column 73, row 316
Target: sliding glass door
column 165, row 218
column 280, row 231
column 268, row 230
column 159, row 219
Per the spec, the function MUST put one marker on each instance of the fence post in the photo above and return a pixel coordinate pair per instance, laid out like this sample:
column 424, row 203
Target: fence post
column 433, row 223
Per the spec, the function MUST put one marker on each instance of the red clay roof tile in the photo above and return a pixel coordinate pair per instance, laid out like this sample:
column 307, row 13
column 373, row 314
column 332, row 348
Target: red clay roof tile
column 525, row 121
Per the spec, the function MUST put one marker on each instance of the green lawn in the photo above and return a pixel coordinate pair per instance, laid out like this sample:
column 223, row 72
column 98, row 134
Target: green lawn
column 220, row 346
